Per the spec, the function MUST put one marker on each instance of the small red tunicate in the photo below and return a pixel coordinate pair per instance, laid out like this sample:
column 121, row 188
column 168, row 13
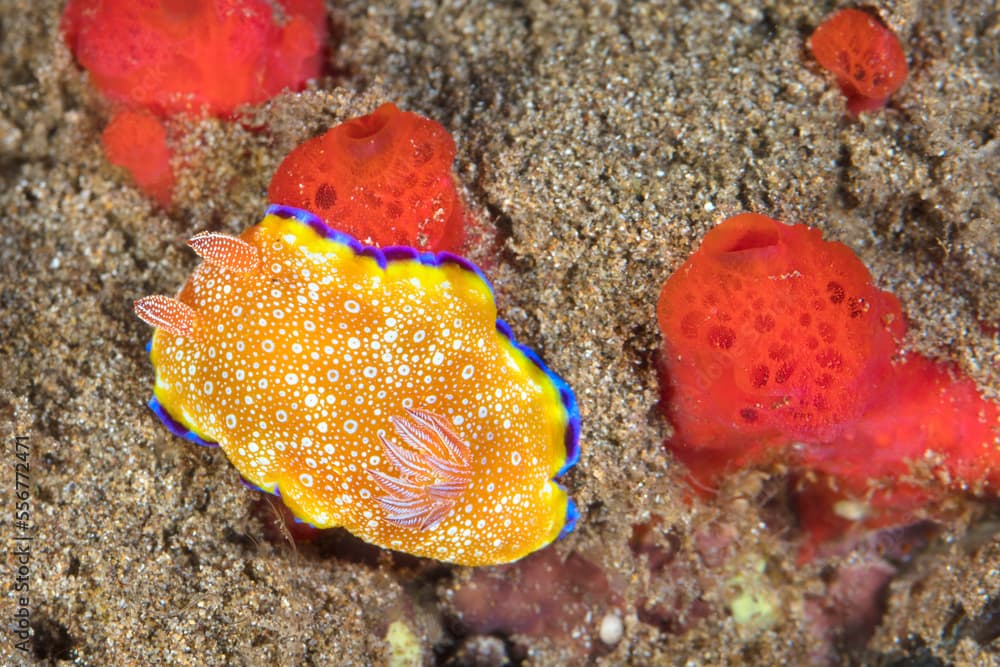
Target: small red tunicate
column 170, row 56
column 384, row 178
column 137, row 141
column 864, row 55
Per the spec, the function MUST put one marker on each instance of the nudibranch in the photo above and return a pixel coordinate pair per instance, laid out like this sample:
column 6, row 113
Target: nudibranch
column 373, row 389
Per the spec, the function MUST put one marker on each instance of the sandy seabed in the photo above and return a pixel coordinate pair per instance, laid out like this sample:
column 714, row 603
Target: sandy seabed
column 597, row 143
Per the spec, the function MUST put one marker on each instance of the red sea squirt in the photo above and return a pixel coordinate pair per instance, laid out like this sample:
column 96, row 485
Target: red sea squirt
column 864, row 55
column 772, row 333
column 925, row 406
column 171, row 56
column 384, row 178
column 778, row 347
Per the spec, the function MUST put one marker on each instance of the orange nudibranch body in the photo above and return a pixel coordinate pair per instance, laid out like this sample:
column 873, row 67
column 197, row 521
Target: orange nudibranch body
column 374, row 391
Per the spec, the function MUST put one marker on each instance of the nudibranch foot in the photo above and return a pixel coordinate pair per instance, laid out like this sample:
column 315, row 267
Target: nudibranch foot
column 375, row 388
column 572, row 517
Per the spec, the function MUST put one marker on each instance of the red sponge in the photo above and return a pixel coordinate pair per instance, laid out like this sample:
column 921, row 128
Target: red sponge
column 770, row 331
column 928, row 423
column 384, row 178
column 926, row 414
column 192, row 55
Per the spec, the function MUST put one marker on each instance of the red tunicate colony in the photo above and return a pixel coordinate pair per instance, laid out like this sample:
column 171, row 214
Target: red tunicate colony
column 137, row 141
column 865, row 57
column 778, row 348
column 384, row 178
column 198, row 56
